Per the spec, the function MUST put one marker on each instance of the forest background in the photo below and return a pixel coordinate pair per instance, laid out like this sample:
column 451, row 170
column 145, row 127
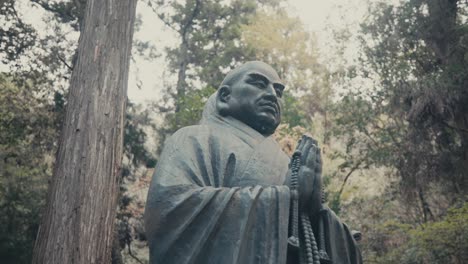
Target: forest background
column 382, row 85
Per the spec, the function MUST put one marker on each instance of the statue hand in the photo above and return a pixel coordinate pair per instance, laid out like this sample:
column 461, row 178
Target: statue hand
column 310, row 175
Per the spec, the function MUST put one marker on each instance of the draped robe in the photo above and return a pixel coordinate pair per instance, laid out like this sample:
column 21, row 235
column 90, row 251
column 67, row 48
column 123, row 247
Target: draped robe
column 218, row 197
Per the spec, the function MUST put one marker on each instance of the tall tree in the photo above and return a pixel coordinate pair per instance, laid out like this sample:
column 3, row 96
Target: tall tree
column 415, row 118
column 411, row 120
column 78, row 222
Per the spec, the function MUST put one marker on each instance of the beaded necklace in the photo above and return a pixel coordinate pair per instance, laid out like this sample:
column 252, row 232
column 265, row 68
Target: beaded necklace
column 309, row 253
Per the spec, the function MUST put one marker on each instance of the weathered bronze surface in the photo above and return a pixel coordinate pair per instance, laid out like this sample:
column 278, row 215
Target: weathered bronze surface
column 223, row 191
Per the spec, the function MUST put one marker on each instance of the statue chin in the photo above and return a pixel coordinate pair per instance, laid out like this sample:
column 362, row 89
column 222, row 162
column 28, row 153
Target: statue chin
column 265, row 127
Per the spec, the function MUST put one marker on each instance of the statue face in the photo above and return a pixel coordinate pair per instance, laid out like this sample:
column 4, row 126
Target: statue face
column 255, row 98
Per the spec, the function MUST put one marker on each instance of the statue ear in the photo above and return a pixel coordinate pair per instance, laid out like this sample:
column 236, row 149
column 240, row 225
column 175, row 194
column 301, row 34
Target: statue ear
column 222, row 99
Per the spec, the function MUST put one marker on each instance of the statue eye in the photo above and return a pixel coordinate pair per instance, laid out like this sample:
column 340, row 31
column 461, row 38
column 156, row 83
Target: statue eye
column 260, row 84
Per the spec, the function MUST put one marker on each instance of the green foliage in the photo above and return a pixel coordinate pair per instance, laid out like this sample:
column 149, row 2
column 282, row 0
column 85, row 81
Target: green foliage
column 15, row 36
column 371, row 135
column 192, row 104
column 27, row 143
column 135, row 137
column 29, row 126
column 23, row 185
column 66, row 12
column 444, row 241
column 413, row 118
column 447, row 240
column 282, row 41
column 426, row 83
column 210, row 34
column 334, row 201
column 292, row 114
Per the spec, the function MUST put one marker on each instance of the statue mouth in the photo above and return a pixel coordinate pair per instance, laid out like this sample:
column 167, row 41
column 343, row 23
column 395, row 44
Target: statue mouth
column 270, row 107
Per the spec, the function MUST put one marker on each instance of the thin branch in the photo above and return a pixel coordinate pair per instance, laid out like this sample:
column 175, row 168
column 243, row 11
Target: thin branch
column 365, row 132
column 133, row 256
column 353, row 169
column 161, row 17
column 454, row 127
column 45, row 6
column 425, row 206
column 65, row 62
column 189, row 22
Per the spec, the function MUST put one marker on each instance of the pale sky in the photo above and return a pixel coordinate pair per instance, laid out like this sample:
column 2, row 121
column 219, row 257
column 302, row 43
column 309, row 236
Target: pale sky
column 317, row 16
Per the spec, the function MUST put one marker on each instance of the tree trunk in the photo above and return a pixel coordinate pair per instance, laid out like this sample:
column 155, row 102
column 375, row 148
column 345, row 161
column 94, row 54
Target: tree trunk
column 181, row 76
column 77, row 224
column 183, row 56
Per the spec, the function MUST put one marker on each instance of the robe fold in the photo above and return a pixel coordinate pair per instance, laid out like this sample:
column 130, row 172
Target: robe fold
column 218, row 197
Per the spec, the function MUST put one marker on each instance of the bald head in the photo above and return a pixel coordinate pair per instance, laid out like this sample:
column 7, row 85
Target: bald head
column 250, row 67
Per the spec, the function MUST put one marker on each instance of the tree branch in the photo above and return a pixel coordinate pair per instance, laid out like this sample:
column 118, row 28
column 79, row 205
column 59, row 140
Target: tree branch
column 65, row 62
column 454, row 127
column 133, row 256
column 189, row 22
column 353, row 169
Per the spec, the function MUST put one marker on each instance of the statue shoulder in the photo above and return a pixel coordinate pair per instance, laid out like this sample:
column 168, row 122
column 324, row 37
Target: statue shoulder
column 182, row 138
column 193, row 132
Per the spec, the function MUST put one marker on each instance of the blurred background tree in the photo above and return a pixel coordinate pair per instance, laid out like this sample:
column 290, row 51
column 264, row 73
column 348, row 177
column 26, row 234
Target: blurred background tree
column 411, row 121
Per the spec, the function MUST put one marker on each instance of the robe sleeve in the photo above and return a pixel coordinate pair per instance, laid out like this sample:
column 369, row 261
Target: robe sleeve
column 190, row 217
column 341, row 246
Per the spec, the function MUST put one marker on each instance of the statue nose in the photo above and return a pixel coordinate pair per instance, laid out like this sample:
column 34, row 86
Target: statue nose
column 270, row 94
column 270, row 90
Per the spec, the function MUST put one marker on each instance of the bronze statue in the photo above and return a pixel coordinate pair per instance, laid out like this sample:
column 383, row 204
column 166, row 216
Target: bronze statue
column 223, row 191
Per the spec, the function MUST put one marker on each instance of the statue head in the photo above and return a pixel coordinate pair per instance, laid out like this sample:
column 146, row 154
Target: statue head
column 252, row 94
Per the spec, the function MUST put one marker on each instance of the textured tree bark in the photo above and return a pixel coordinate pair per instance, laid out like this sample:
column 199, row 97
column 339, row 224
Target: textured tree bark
column 78, row 221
